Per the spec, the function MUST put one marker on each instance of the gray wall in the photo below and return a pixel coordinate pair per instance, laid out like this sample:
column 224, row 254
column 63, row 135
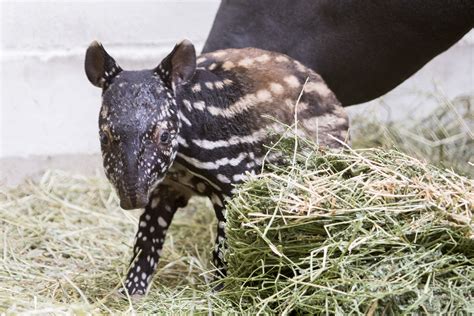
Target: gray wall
column 49, row 110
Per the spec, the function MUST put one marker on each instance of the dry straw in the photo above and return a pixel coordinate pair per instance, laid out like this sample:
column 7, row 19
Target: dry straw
column 65, row 246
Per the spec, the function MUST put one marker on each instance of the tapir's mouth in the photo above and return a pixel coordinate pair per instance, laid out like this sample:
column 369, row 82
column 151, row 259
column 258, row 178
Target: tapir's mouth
column 135, row 196
column 133, row 199
column 128, row 204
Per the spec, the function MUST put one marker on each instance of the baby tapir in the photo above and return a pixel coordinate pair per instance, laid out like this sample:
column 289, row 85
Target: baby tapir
column 196, row 127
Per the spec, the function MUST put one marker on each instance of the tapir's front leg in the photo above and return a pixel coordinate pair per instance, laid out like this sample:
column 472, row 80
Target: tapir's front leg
column 152, row 228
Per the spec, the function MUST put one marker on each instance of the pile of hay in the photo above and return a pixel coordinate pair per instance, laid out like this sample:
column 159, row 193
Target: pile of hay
column 444, row 136
column 360, row 232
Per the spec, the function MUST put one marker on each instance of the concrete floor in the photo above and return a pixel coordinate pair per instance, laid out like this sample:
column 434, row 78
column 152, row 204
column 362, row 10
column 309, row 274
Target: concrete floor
column 14, row 171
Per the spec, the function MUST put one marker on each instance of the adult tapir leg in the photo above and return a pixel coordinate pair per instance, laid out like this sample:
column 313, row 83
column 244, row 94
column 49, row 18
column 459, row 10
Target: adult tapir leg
column 152, row 228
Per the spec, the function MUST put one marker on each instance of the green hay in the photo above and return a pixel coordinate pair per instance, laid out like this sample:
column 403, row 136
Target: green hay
column 360, row 232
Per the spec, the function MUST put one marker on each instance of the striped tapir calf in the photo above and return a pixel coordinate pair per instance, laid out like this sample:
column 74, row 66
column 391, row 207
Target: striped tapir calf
column 196, row 127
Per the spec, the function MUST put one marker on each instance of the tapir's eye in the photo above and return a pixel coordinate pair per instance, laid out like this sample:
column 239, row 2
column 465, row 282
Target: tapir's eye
column 104, row 138
column 165, row 137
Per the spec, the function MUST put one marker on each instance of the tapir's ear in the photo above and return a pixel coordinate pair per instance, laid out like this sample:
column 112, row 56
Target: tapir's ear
column 179, row 66
column 100, row 67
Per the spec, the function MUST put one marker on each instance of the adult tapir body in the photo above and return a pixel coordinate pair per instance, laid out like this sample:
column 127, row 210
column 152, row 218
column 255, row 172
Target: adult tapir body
column 362, row 48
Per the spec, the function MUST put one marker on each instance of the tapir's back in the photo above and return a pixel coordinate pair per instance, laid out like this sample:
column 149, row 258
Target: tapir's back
column 273, row 84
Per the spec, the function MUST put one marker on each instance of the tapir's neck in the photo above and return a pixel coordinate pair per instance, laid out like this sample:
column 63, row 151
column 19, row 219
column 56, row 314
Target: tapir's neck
column 202, row 104
column 205, row 128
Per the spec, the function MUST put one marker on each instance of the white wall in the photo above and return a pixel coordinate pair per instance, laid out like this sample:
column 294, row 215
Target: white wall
column 49, row 111
column 48, row 106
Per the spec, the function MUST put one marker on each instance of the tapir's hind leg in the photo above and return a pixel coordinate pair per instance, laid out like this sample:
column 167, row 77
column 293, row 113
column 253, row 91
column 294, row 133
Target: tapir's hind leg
column 218, row 252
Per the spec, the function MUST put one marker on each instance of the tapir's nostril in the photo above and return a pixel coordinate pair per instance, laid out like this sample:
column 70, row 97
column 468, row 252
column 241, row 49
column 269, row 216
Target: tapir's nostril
column 133, row 199
column 126, row 204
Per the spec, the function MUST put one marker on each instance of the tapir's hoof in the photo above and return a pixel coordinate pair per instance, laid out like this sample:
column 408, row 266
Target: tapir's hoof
column 218, row 287
column 137, row 295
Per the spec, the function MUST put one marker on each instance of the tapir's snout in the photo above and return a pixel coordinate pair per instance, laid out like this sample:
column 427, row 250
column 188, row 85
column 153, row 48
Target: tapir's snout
column 128, row 204
column 133, row 199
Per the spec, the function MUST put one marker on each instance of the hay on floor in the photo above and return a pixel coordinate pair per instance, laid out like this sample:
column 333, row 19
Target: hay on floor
column 66, row 244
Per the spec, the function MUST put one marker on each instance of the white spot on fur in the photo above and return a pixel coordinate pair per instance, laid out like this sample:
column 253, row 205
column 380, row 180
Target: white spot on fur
column 256, row 136
column 263, row 58
column 215, row 199
column 282, row 59
column 264, row 95
column 154, row 202
column 246, row 62
column 201, row 60
column 300, row 67
column 219, row 53
column 212, row 66
column 199, row 105
column 182, row 141
column 162, row 222
column 212, row 165
column 201, row 187
column 187, row 104
column 292, row 81
column 276, row 88
column 228, row 65
column 300, row 107
column 184, row 118
column 196, row 88
column 222, row 178
column 245, row 102
column 219, row 85
column 318, row 87
column 239, row 177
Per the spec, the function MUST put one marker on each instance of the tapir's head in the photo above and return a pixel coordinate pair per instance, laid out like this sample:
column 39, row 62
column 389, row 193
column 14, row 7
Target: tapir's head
column 138, row 121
